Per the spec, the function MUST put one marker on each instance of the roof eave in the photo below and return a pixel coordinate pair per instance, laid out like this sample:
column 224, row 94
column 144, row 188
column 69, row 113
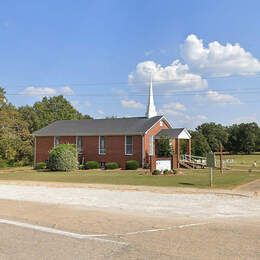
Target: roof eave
column 85, row 134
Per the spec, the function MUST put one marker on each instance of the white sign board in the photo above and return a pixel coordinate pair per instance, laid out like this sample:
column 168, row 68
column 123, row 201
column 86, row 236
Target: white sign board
column 162, row 165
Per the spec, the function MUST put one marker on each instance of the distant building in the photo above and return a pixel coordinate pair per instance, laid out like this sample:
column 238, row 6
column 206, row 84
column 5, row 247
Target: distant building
column 111, row 140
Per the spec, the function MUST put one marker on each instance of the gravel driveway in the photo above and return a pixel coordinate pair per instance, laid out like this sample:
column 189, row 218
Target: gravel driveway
column 143, row 202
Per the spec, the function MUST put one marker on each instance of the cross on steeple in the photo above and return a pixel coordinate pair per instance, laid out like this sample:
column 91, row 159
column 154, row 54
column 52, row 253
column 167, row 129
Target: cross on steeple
column 151, row 110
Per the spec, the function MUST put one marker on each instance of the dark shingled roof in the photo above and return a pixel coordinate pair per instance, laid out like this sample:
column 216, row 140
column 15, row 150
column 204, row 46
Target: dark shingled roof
column 111, row 126
column 172, row 132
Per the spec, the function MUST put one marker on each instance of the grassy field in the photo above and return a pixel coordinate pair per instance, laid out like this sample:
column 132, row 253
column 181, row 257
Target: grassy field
column 240, row 172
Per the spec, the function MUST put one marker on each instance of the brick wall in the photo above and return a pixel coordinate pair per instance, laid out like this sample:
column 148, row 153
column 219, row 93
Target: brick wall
column 152, row 132
column 115, row 149
column 45, row 143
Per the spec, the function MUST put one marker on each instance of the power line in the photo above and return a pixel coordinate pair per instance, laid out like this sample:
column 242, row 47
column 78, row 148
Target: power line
column 186, row 93
column 124, row 83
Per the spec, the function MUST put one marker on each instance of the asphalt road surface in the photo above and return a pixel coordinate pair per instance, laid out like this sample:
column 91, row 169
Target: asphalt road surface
column 34, row 230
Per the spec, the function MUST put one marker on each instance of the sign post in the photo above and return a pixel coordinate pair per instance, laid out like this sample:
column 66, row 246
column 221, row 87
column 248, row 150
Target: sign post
column 211, row 165
column 151, row 152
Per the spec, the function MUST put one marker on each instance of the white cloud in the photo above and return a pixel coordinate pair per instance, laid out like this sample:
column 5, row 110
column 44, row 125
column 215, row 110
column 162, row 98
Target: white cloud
column 37, row 91
column 80, row 104
column 175, row 74
column 218, row 98
column 100, row 112
column 176, row 111
column 222, row 98
column 172, row 108
column 131, row 104
column 47, row 91
column 217, row 59
column 66, row 90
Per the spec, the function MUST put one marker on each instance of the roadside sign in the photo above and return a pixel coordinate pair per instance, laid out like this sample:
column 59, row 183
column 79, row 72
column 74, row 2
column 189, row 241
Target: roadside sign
column 211, row 165
column 211, row 160
column 151, row 145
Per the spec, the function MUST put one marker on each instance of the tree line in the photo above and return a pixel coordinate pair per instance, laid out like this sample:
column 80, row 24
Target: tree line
column 237, row 138
column 18, row 123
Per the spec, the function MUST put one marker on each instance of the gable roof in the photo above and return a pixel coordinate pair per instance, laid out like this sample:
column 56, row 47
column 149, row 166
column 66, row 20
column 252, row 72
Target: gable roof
column 94, row 127
column 180, row 133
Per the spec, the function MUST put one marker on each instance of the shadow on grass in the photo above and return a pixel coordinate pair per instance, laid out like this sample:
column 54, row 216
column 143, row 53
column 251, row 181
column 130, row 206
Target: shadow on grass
column 186, row 183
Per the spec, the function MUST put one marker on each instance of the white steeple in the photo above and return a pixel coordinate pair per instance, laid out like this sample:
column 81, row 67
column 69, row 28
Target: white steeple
column 151, row 110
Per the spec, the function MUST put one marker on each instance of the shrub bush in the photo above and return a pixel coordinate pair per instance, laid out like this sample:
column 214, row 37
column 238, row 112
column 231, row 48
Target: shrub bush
column 63, row 157
column 165, row 172
column 112, row 165
column 40, row 166
column 174, row 171
column 132, row 165
column 156, row 172
column 91, row 165
column 81, row 167
column 3, row 163
column 22, row 163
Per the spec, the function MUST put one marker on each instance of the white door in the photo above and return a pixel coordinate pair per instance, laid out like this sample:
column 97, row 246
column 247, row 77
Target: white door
column 163, row 165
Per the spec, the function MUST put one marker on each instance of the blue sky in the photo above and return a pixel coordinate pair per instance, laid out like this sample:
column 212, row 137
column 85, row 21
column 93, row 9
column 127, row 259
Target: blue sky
column 204, row 57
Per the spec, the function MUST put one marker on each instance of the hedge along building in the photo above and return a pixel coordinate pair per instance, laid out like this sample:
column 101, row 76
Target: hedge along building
column 111, row 140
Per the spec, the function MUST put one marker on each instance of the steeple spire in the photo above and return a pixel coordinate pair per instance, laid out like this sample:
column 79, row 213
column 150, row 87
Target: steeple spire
column 151, row 110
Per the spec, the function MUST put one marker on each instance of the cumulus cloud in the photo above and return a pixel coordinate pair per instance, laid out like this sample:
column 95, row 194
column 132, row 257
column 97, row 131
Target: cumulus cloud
column 66, row 90
column 172, row 108
column 37, row 91
column 80, row 104
column 47, row 91
column 176, row 74
column 181, row 118
column 176, row 111
column 215, row 97
column 131, row 104
column 218, row 59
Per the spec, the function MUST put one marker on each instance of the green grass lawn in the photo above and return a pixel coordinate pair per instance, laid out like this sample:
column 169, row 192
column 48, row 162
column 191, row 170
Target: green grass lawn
column 240, row 172
column 188, row 178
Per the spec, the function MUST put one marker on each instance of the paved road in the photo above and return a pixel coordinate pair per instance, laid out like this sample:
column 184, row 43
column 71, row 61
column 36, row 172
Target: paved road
column 31, row 230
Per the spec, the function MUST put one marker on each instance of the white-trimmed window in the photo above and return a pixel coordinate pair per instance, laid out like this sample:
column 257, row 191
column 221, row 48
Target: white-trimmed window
column 128, row 144
column 79, row 143
column 56, row 140
column 102, row 145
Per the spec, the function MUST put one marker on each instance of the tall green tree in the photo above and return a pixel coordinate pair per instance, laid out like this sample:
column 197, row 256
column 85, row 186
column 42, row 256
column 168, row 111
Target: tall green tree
column 243, row 138
column 199, row 145
column 2, row 97
column 55, row 108
column 29, row 115
column 215, row 134
column 16, row 141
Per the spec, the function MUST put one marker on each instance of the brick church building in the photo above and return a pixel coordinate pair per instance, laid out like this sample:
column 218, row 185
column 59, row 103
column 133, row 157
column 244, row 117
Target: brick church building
column 114, row 139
